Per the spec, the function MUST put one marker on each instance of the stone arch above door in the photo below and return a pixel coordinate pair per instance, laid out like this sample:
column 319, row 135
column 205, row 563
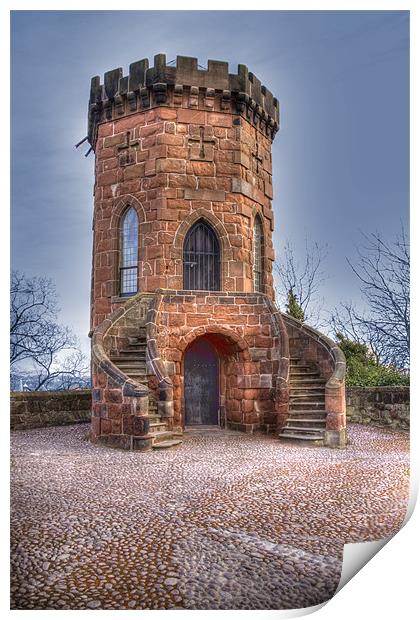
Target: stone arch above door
column 236, row 341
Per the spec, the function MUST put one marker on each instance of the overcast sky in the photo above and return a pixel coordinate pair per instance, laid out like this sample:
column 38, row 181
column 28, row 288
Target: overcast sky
column 340, row 159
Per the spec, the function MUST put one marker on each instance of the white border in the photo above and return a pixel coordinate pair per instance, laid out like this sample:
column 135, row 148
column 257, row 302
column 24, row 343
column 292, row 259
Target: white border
column 387, row 585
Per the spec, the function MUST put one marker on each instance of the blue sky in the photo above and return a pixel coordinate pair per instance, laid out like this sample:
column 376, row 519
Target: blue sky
column 340, row 159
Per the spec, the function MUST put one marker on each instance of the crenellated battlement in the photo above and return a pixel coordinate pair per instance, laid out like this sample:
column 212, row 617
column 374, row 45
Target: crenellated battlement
column 183, row 85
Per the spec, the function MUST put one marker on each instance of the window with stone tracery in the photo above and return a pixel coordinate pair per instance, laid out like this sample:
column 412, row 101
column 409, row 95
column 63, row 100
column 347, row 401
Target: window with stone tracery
column 129, row 249
column 201, row 258
column 258, row 255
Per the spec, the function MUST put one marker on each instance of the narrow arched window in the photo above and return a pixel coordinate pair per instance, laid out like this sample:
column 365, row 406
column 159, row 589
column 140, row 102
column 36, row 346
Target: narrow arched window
column 129, row 247
column 201, row 258
column 258, row 255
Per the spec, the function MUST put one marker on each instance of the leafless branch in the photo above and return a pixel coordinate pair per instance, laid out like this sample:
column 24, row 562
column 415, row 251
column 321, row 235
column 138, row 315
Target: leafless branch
column 305, row 278
column 37, row 340
column 383, row 268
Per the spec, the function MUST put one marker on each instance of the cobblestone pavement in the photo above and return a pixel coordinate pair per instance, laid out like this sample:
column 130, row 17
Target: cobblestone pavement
column 223, row 521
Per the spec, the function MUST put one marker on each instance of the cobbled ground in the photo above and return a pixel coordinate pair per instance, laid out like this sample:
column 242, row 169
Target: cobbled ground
column 223, row 521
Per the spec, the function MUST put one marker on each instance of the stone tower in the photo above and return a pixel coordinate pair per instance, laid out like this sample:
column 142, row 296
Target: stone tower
column 183, row 322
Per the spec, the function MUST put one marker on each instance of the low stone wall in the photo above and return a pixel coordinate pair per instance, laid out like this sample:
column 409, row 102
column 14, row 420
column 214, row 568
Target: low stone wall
column 379, row 406
column 37, row 409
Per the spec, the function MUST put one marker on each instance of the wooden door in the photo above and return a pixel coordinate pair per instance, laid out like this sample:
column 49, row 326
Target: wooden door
column 201, row 384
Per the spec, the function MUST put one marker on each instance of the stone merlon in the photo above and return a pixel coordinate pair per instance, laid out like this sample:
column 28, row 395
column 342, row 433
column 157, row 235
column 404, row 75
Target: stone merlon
column 182, row 85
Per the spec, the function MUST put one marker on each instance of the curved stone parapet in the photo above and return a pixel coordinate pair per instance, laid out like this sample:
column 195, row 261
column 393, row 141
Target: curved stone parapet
column 282, row 382
column 312, row 345
column 119, row 403
column 165, row 385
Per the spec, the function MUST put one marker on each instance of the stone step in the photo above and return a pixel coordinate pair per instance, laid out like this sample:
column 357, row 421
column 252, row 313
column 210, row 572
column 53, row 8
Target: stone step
column 158, row 426
column 304, row 405
column 154, row 419
column 130, row 363
column 297, row 398
column 304, row 380
column 123, row 356
column 303, row 437
column 138, row 374
column 136, row 342
column 316, row 432
column 300, row 362
column 305, row 383
column 134, row 363
column 299, row 429
column 159, row 436
column 130, row 355
column 170, row 443
column 309, row 412
column 299, row 389
column 315, row 419
column 303, row 374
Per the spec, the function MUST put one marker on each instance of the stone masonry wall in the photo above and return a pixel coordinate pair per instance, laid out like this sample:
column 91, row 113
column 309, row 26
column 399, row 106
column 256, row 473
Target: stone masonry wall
column 38, row 409
column 172, row 182
column 244, row 331
column 379, row 406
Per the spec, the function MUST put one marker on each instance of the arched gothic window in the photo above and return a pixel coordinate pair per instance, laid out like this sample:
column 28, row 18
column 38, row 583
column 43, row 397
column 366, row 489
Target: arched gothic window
column 258, row 254
column 129, row 246
column 201, row 258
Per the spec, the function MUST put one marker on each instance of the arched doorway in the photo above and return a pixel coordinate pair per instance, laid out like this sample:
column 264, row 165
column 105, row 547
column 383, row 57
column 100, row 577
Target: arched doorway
column 201, row 258
column 201, row 383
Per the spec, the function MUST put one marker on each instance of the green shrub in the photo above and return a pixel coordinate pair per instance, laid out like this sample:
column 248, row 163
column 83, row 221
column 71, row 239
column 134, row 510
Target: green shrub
column 293, row 308
column 362, row 368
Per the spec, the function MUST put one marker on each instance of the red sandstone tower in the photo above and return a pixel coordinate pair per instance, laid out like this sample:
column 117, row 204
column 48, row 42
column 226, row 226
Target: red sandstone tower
column 183, row 322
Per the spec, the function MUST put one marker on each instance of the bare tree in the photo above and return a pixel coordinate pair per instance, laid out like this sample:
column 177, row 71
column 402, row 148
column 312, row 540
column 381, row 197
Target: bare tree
column 33, row 306
column 38, row 343
column 303, row 279
column 61, row 364
column 383, row 268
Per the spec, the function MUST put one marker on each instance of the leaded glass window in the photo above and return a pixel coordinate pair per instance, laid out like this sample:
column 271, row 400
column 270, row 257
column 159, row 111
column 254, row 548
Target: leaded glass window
column 129, row 253
column 201, row 259
column 258, row 255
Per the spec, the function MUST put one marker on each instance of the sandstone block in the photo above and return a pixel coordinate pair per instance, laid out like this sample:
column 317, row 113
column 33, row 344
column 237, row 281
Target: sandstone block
column 204, row 194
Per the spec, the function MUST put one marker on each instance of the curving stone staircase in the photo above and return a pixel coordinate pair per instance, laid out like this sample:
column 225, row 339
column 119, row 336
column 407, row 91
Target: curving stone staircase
column 307, row 414
column 132, row 361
